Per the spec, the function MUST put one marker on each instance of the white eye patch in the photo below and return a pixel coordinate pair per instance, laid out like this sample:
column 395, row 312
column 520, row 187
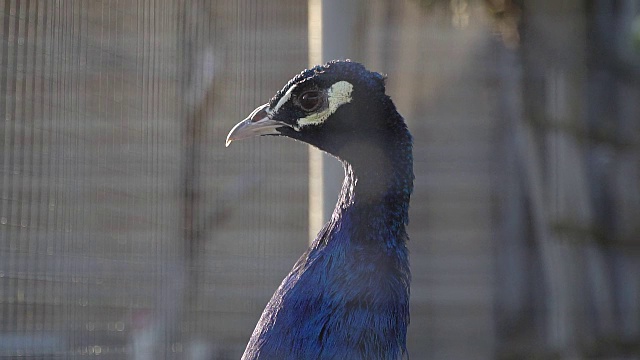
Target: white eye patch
column 337, row 95
column 283, row 100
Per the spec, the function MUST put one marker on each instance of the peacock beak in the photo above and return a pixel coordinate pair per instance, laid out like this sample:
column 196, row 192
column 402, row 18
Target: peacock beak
column 257, row 123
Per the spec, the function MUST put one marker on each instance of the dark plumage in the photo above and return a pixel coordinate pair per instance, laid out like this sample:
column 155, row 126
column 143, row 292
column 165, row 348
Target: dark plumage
column 347, row 297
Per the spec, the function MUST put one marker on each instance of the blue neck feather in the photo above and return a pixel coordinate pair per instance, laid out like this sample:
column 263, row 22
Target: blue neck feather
column 347, row 297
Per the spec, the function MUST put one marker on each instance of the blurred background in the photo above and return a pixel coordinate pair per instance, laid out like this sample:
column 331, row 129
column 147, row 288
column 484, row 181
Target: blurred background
column 128, row 230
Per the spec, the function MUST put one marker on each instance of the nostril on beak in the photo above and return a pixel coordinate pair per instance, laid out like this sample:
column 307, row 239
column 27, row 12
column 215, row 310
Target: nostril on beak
column 259, row 115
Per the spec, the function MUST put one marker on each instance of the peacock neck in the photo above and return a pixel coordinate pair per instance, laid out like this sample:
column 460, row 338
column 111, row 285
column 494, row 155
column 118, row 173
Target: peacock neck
column 376, row 190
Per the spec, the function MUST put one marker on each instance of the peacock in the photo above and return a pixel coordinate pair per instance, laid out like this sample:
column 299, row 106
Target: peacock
column 347, row 297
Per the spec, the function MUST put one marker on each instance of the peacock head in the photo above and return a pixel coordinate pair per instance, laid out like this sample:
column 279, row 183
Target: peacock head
column 339, row 107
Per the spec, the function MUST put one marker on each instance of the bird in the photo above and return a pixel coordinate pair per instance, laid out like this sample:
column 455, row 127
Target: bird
column 347, row 296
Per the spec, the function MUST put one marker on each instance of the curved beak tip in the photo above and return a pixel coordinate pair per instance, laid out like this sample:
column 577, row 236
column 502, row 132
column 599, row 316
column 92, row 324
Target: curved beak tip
column 258, row 123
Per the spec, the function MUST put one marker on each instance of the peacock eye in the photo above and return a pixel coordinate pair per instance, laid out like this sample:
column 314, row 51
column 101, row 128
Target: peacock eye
column 310, row 100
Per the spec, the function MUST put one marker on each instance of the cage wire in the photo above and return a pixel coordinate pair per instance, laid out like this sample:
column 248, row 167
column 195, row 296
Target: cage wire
column 120, row 212
column 127, row 230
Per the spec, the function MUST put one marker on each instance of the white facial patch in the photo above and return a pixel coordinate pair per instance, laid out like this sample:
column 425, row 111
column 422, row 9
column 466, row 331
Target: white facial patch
column 338, row 95
column 283, row 100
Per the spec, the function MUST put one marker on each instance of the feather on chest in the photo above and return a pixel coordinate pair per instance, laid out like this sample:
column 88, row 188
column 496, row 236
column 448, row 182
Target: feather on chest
column 344, row 296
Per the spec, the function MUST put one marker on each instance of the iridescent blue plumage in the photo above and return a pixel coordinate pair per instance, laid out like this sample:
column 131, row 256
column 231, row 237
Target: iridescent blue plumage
column 347, row 297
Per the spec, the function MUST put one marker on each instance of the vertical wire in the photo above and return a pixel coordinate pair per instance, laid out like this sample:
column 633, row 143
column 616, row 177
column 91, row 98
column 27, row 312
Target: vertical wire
column 134, row 289
column 50, row 266
column 38, row 164
column 18, row 171
column 157, row 185
column 198, row 91
column 195, row 119
column 72, row 180
column 120, row 147
column 58, row 219
column 158, row 210
column 81, row 170
column 17, row 152
column 154, row 242
column 29, row 169
column 201, row 310
column 26, row 222
column 104, row 151
column 63, row 141
column 160, row 26
column 49, row 318
column 148, row 161
column 252, row 82
column 196, row 88
column 133, row 305
column 167, row 241
column 126, row 250
column 5, row 199
column 75, row 180
column 144, row 96
column 155, row 166
column 59, row 171
column 237, row 91
column 86, row 170
column 27, row 164
column 57, row 230
column 9, row 183
column 96, row 118
column 67, row 174
column 99, row 151
column 185, row 119
column 20, row 148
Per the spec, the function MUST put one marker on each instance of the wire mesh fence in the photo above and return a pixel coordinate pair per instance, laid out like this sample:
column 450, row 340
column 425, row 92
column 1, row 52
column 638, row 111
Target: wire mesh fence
column 127, row 230
column 122, row 229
